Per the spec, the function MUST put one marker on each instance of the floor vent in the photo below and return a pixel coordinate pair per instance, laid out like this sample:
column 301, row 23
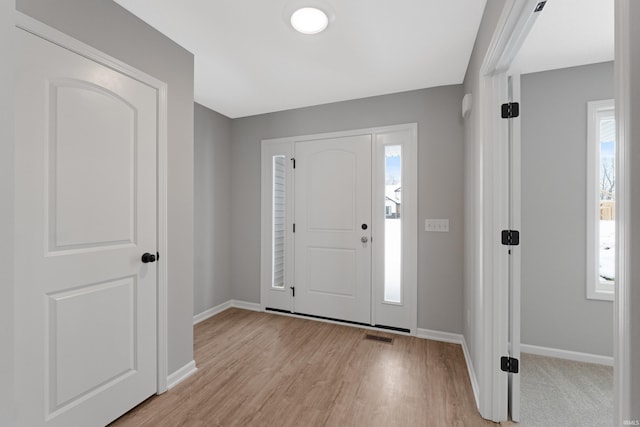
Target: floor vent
column 378, row 338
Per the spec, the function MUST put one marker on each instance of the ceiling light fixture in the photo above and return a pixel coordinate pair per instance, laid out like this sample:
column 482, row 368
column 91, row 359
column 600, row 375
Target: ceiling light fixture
column 309, row 20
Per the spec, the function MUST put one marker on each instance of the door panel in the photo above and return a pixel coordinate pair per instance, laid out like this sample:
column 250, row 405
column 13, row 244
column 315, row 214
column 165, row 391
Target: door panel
column 85, row 188
column 333, row 200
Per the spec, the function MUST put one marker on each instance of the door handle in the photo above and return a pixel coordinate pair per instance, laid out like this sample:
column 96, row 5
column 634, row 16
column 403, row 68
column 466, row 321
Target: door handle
column 364, row 239
column 147, row 257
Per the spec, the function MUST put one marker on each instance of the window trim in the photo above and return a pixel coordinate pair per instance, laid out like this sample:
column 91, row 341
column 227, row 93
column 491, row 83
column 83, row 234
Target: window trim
column 596, row 110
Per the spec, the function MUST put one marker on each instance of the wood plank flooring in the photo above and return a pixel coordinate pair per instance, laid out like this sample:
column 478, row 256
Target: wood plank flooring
column 263, row 369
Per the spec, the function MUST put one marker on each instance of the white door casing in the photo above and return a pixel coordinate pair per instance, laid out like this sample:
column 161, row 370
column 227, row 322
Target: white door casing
column 86, row 210
column 332, row 250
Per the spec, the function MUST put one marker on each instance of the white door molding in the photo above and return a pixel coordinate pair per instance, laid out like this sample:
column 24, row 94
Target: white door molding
column 52, row 35
column 622, row 369
column 492, row 335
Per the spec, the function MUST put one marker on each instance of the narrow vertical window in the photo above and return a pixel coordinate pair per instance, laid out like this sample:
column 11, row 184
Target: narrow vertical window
column 279, row 220
column 601, row 200
column 393, row 224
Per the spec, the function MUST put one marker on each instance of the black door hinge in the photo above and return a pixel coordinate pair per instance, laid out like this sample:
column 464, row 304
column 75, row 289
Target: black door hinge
column 294, row 227
column 293, row 290
column 293, row 159
column 510, row 237
column 540, row 6
column 510, row 110
column 509, row 364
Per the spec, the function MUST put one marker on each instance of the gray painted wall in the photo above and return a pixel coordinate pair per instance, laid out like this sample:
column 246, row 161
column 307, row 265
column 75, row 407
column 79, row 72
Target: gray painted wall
column 440, row 173
column 111, row 29
column 473, row 286
column 555, row 310
column 212, row 209
column 633, row 284
column 6, row 214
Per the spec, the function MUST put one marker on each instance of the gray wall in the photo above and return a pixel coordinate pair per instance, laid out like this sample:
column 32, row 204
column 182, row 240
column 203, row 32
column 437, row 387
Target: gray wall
column 440, row 173
column 111, row 29
column 6, row 213
column 633, row 284
column 473, row 286
column 212, row 204
column 555, row 310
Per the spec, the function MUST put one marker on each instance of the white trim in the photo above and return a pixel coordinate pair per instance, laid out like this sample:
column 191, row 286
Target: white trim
column 245, row 305
column 576, row 356
column 471, row 372
column 622, row 302
column 449, row 337
column 181, row 374
column 596, row 289
column 514, row 24
column 52, row 35
column 430, row 334
column 201, row 317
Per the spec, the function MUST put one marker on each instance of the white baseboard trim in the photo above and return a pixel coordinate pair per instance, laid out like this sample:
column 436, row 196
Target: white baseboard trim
column 430, row 334
column 449, row 337
column 211, row 312
column 567, row 354
column 201, row 317
column 181, row 374
column 472, row 373
column 245, row 305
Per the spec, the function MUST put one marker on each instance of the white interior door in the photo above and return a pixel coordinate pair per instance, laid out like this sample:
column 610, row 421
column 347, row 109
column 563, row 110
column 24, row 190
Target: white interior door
column 86, row 211
column 333, row 228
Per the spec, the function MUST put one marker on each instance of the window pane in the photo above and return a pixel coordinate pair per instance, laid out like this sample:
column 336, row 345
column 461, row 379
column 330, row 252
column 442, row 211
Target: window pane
column 279, row 220
column 607, row 180
column 393, row 223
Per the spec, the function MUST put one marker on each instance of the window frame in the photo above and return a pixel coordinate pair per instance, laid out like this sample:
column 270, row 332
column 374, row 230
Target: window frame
column 596, row 111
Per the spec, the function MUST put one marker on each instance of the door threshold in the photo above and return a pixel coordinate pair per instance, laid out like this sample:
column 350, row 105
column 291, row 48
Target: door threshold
column 348, row 322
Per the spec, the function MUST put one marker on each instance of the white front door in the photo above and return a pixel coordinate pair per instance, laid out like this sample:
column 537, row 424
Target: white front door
column 85, row 188
column 333, row 228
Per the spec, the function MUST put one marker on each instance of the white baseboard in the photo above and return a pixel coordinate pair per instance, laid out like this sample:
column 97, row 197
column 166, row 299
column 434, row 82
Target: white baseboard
column 472, row 372
column 211, row 312
column 449, row 337
column 430, row 334
column 245, row 305
column 567, row 354
column 222, row 307
column 181, row 374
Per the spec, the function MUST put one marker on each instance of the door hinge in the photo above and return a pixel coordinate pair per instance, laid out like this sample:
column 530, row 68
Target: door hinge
column 540, row 6
column 509, row 364
column 294, row 227
column 510, row 110
column 510, row 237
column 293, row 291
column 293, row 160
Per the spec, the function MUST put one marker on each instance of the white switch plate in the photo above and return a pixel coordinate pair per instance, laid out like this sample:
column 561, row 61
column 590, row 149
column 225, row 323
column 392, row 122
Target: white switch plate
column 440, row 225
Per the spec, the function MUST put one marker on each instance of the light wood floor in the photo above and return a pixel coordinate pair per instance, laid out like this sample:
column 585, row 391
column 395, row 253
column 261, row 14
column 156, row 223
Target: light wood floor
column 262, row 369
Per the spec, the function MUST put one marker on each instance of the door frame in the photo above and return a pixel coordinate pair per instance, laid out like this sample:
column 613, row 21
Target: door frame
column 39, row 29
column 514, row 25
column 265, row 255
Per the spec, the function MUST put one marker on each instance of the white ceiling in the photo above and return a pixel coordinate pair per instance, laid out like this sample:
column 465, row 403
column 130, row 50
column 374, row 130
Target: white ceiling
column 248, row 59
column 568, row 33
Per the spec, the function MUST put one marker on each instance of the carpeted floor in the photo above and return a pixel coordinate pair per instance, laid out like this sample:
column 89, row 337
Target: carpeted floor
column 557, row 392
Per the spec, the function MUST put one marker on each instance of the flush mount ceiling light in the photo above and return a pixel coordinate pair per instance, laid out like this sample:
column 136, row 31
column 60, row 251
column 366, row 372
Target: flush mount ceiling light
column 309, row 20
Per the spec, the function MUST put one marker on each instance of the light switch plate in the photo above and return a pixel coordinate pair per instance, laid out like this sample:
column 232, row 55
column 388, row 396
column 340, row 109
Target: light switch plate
column 439, row 225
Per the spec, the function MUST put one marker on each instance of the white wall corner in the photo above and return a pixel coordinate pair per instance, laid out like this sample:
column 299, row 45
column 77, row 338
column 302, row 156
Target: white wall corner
column 181, row 374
